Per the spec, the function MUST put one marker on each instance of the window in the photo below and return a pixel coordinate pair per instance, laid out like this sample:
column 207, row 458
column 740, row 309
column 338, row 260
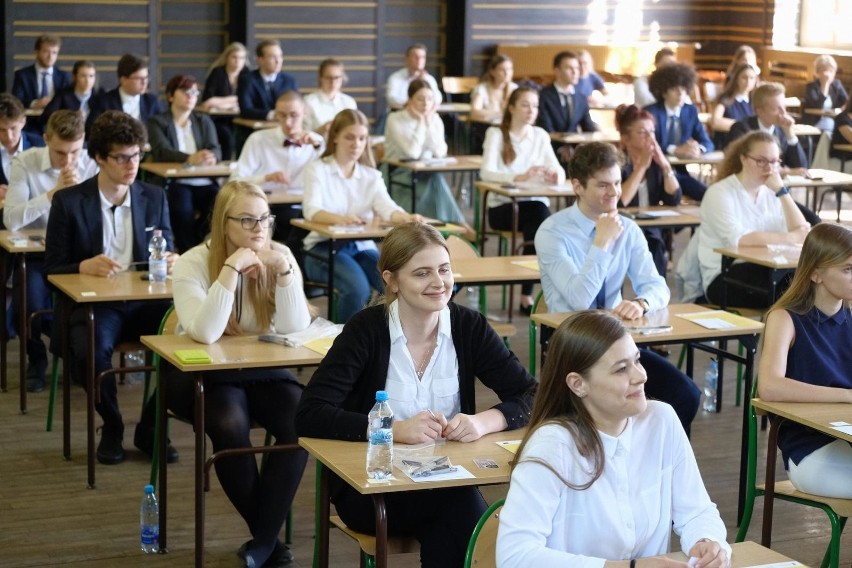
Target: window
column 824, row 23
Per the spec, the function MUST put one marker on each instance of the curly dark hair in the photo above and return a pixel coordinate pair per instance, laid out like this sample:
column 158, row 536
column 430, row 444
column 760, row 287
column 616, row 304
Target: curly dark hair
column 115, row 128
column 669, row 77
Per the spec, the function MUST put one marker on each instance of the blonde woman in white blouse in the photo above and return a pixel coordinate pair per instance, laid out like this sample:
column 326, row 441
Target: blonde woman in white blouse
column 240, row 282
column 518, row 151
column 416, row 132
column 322, row 105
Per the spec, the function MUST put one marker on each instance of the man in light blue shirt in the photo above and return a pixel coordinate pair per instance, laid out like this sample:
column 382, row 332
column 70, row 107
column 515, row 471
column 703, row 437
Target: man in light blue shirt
column 586, row 251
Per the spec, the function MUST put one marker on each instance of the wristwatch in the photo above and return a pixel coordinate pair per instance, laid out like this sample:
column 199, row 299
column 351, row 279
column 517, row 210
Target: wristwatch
column 782, row 192
column 643, row 303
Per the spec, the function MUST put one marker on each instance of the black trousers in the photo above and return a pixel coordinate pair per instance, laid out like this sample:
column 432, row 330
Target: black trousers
column 743, row 297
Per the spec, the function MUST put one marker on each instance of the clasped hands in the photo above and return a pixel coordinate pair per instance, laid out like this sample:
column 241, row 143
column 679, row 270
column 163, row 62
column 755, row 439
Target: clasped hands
column 426, row 426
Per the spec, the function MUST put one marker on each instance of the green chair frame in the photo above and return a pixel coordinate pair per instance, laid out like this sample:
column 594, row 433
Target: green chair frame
column 492, row 512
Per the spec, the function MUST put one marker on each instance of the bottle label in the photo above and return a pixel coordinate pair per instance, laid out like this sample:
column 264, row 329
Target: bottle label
column 381, row 437
column 150, row 535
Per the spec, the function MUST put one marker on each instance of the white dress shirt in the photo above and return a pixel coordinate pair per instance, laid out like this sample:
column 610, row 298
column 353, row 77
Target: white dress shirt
column 264, row 153
column 327, row 189
column 650, row 480
column 130, row 104
column 483, row 93
column 407, row 137
column 186, row 144
column 32, row 176
column 438, row 390
column 204, row 309
column 397, row 88
column 6, row 157
column 533, row 149
column 319, row 108
column 117, row 230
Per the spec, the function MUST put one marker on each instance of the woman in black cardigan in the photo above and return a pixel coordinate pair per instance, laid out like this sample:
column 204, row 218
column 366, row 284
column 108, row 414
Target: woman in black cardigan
column 426, row 352
column 182, row 135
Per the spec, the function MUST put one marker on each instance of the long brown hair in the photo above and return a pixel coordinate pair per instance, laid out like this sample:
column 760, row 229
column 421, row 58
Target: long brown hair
column 734, row 152
column 731, row 84
column 576, row 345
column 401, row 244
column 344, row 119
column 261, row 290
column 508, row 153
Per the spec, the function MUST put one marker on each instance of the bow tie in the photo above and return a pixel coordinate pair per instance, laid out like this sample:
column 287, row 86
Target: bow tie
column 290, row 142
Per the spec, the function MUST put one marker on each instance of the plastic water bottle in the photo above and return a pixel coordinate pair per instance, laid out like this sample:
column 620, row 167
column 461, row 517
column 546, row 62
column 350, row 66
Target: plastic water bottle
column 157, row 259
column 149, row 521
column 380, row 439
column 711, row 381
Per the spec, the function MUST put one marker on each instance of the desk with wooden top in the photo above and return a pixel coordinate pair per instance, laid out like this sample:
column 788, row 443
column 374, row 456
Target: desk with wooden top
column 750, row 555
column 418, row 168
column 815, row 415
column 171, row 171
column 252, row 124
column 829, row 113
column 16, row 245
column 708, row 158
column 230, row 352
column 821, row 178
column 694, row 336
column 485, row 270
column 576, row 138
column 76, row 289
column 347, row 460
column 453, row 108
column 779, row 262
column 657, row 216
column 214, row 112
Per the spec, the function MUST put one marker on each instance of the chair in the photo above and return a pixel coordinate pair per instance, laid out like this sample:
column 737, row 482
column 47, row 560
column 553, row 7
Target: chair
column 367, row 543
column 458, row 86
column 539, row 307
column 482, row 550
column 837, row 510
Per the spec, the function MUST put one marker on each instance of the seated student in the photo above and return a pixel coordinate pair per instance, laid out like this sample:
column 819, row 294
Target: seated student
column 130, row 96
column 587, row 250
column 590, row 81
column 77, row 95
column 417, row 132
column 517, row 151
column 220, row 92
column 680, row 133
column 241, row 282
column 825, row 92
column 563, row 106
column 641, row 93
column 37, row 175
column 182, row 135
column 604, row 475
column 426, row 352
column 36, row 84
column 744, row 55
column 344, row 187
column 276, row 158
column 258, row 90
column 805, row 358
column 747, row 206
column 646, row 177
column 99, row 227
column 322, row 105
column 842, row 133
column 489, row 98
column 733, row 104
column 415, row 68
column 13, row 139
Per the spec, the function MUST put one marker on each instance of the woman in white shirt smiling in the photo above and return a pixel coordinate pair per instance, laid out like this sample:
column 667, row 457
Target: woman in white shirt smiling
column 602, row 473
column 322, row 105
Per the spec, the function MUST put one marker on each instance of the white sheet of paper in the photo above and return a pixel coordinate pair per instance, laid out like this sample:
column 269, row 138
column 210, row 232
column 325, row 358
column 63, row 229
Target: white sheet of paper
column 844, row 429
column 460, row 473
column 786, row 564
column 713, row 323
column 662, row 213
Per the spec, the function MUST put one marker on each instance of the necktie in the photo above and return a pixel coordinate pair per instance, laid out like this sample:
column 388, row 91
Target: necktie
column 113, row 208
column 600, row 299
column 44, row 90
column 270, row 87
column 673, row 133
column 569, row 109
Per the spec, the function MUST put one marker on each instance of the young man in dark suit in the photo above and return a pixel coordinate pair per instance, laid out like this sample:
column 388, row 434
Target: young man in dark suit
column 36, row 84
column 258, row 90
column 78, row 94
column 13, row 139
column 561, row 107
column 100, row 227
column 130, row 96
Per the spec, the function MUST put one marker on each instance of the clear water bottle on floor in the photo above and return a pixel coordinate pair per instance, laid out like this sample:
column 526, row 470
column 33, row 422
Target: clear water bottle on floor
column 134, row 359
column 711, row 382
column 149, row 521
column 380, row 439
column 157, row 260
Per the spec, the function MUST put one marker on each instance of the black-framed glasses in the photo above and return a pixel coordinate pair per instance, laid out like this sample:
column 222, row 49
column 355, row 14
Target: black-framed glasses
column 124, row 159
column 250, row 223
column 763, row 162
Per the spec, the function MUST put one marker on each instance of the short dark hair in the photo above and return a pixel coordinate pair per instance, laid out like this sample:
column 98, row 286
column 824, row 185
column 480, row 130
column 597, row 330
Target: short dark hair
column 10, row 107
column 669, row 77
column 416, row 85
column 562, row 55
column 115, row 128
column 180, row 81
column 258, row 49
column 591, row 158
column 415, row 46
column 130, row 64
column 67, row 125
column 663, row 53
column 47, row 39
column 80, row 63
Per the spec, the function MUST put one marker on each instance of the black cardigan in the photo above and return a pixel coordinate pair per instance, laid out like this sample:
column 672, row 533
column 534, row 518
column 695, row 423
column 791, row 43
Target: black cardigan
column 343, row 389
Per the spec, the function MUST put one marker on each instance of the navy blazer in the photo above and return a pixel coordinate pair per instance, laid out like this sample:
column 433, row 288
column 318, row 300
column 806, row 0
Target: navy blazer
column 815, row 99
column 553, row 118
column 163, row 137
column 253, row 96
column 655, row 179
column 149, row 105
column 793, row 155
column 30, row 141
column 690, row 126
column 65, row 99
column 27, row 84
column 75, row 224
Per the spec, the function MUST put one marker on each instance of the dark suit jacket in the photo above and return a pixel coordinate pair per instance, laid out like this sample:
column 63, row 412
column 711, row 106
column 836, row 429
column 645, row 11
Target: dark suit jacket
column 75, row 225
column 163, row 137
column 793, row 155
column 65, row 100
column 815, row 99
column 255, row 100
column 218, row 85
column 149, row 105
column 690, row 126
column 30, row 141
column 656, row 187
column 27, row 84
column 552, row 116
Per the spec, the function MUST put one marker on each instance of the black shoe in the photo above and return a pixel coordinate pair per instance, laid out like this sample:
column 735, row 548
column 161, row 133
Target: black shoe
column 110, row 451
column 143, row 439
column 526, row 310
column 281, row 556
column 35, row 375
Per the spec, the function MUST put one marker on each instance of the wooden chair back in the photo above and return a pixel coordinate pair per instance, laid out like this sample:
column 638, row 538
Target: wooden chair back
column 458, row 85
column 482, row 550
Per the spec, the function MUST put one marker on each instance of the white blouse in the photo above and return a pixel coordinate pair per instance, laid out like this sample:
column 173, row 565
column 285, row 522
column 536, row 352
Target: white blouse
column 320, row 109
column 406, row 137
column 650, row 480
column 204, row 309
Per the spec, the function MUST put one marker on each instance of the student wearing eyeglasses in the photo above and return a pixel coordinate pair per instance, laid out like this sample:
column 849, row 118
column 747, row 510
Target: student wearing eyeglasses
column 131, row 95
column 749, row 205
column 182, row 135
column 101, row 227
column 242, row 282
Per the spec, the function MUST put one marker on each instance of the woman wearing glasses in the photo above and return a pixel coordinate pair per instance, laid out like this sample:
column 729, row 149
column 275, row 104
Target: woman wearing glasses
column 241, row 282
column 182, row 135
column 749, row 205
column 322, row 105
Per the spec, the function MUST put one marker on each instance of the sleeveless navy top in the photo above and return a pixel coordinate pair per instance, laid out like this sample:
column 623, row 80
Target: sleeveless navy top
column 821, row 355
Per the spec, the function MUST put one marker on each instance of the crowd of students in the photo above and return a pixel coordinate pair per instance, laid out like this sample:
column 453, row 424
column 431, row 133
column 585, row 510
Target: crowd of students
column 594, row 442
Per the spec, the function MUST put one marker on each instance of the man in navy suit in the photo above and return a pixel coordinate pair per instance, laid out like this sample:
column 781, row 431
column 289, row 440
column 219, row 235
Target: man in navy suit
column 561, row 107
column 100, row 227
column 258, row 90
column 130, row 96
column 36, row 84
column 78, row 94
column 679, row 132
column 13, row 139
